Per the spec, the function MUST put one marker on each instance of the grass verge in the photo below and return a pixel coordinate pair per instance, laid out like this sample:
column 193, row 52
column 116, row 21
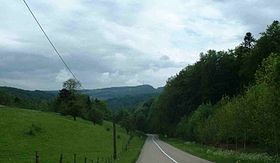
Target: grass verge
column 219, row 155
column 133, row 150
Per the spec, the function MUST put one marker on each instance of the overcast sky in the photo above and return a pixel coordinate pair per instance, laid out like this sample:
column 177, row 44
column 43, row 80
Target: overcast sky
column 120, row 42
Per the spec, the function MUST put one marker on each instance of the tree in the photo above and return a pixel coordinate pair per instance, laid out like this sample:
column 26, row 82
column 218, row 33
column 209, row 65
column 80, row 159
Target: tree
column 249, row 40
column 95, row 116
column 69, row 101
column 71, row 84
column 128, row 123
column 102, row 106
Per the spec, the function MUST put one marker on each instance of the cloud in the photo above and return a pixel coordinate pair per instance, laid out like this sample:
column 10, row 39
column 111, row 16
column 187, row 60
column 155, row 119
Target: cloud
column 120, row 42
column 63, row 75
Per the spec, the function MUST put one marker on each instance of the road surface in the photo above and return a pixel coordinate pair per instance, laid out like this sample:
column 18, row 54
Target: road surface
column 156, row 151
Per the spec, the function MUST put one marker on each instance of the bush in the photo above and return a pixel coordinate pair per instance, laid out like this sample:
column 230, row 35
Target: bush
column 34, row 130
column 108, row 129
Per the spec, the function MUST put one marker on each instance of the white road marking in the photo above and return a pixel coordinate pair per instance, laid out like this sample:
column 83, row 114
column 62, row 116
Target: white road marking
column 163, row 151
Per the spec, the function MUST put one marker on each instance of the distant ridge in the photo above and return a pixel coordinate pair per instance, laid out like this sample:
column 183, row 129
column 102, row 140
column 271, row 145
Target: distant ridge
column 27, row 94
column 116, row 97
column 116, row 92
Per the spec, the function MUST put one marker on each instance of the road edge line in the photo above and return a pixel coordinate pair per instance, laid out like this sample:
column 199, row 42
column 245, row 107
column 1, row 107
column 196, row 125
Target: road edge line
column 163, row 151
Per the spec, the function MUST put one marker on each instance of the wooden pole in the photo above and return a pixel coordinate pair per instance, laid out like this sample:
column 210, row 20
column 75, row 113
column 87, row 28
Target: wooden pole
column 37, row 157
column 61, row 158
column 114, row 140
column 75, row 158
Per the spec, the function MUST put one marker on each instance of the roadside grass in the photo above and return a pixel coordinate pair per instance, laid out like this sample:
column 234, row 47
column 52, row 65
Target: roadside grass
column 22, row 132
column 134, row 149
column 220, row 155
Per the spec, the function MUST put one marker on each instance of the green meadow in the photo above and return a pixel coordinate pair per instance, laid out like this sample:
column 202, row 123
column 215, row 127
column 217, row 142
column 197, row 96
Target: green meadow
column 25, row 131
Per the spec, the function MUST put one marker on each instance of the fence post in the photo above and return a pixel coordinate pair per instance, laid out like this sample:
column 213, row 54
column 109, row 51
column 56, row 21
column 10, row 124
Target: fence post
column 37, row 157
column 61, row 158
column 114, row 139
column 75, row 158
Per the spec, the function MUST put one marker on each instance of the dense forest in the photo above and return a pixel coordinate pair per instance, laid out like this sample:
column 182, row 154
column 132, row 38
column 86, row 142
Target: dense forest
column 37, row 100
column 227, row 98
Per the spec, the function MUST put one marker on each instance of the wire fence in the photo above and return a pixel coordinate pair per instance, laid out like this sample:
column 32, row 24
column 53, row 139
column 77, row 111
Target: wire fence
column 37, row 157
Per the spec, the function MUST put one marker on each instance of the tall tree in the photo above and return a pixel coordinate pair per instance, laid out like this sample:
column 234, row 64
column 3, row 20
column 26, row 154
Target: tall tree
column 71, row 84
column 249, row 40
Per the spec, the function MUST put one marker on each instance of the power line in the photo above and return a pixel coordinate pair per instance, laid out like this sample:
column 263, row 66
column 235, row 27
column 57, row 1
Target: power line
column 47, row 37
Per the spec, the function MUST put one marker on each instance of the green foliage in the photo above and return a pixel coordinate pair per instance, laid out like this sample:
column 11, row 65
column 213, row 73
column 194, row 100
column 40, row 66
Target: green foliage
column 95, row 116
column 242, row 89
column 72, row 102
column 36, row 100
column 220, row 155
column 126, row 119
column 242, row 119
column 208, row 80
column 101, row 106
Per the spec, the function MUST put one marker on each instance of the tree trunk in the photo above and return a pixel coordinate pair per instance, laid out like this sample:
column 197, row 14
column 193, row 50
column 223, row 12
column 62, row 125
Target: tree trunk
column 244, row 141
column 236, row 146
column 74, row 118
column 227, row 143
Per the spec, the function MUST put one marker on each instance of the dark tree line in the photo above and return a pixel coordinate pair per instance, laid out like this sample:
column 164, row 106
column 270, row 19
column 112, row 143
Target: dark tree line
column 9, row 99
column 227, row 97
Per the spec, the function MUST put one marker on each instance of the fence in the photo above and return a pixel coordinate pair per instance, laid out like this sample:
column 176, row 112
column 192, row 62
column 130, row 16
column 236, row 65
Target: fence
column 108, row 159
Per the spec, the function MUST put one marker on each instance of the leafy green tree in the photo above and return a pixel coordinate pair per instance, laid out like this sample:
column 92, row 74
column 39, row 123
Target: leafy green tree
column 96, row 116
column 71, row 85
column 102, row 107
column 249, row 40
column 70, row 101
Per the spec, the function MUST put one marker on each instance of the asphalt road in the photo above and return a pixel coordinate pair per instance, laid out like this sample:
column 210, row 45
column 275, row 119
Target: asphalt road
column 157, row 151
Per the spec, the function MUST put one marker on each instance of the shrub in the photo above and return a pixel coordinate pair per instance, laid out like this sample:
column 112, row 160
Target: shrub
column 34, row 130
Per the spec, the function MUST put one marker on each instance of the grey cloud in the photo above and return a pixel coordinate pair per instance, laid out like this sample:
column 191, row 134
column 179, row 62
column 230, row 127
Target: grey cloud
column 117, row 42
column 255, row 14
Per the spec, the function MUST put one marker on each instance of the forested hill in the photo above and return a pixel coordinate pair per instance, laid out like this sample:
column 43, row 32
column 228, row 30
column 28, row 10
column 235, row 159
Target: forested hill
column 117, row 92
column 122, row 97
column 116, row 97
column 38, row 100
column 27, row 94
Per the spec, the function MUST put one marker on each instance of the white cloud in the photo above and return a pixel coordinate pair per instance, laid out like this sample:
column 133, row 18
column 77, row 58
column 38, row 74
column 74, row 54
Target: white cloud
column 118, row 42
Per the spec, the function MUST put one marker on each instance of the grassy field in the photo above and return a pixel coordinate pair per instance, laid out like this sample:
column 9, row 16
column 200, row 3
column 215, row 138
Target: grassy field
column 219, row 155
column 25, row 131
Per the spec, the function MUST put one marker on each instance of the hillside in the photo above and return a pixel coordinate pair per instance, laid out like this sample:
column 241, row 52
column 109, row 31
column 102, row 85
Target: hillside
column 26, row 94
column 117, row 92
column 116, row 97
column 119, row 97
column 25, row 131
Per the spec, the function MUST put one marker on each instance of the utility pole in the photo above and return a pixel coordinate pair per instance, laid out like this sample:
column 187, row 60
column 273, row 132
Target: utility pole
column 114, row 139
